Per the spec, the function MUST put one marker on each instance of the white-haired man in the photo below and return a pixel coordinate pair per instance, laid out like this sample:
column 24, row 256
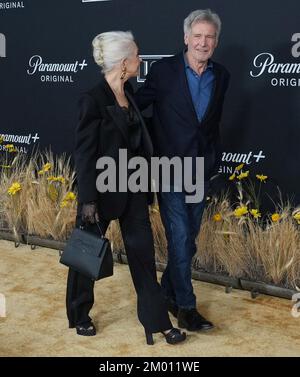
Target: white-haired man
column 187, row 92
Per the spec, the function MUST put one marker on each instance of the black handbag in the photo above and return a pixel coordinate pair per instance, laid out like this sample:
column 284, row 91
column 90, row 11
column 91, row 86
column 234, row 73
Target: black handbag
column 88, row 254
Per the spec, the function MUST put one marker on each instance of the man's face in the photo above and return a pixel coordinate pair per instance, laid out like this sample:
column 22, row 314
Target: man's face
column 201, row 41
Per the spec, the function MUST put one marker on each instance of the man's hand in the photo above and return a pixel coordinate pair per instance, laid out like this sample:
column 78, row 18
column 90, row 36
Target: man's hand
column 89, row 213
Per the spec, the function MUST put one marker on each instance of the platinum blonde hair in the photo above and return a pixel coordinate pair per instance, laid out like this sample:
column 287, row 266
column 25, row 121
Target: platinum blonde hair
column 202, row 15
column 110, row 48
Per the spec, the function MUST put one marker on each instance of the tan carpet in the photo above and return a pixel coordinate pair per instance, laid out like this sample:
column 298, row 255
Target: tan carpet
column 34, row 285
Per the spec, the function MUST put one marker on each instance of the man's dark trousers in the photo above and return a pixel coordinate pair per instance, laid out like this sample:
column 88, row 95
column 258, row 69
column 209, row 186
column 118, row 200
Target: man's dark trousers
column 181, row 221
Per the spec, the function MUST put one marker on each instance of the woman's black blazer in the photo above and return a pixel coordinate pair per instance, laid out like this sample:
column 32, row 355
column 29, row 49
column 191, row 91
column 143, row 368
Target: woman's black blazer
column 101, row 132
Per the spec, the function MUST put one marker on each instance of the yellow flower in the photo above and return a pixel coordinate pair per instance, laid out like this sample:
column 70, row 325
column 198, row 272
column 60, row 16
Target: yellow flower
column 240, row 211
column 5, row 166
column 217, row 217
column 1, row 139
column 53, row 193
column 60, row 179
column 14, row 188
column 231, row 178
column 297, row 217
column 70, row 196
column 261, row 177
column 255, row 213
column 56, row 179
column 275, row 217
column 47, row 167
column 243, row 175
column 64, row 204
column 238, row 168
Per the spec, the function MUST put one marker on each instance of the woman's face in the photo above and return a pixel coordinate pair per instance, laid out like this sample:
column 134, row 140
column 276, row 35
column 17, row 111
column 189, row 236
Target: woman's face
column 132, row 63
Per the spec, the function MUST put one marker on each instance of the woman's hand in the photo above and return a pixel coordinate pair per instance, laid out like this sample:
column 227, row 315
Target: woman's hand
column 89, row 213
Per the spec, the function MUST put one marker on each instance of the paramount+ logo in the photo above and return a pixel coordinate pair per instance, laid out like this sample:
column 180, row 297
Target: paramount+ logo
column 280, row 73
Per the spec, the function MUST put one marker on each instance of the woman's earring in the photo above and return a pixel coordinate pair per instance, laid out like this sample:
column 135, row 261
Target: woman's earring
column 123, row 73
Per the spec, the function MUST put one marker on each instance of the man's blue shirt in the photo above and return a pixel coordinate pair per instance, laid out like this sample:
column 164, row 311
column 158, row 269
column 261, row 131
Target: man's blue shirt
column 201, row 87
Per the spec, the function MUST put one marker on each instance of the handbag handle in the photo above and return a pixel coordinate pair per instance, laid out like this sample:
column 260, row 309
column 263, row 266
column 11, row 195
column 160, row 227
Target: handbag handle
column 82, row 226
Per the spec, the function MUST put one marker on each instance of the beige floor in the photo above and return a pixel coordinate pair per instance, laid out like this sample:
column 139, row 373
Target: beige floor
column 33, row 283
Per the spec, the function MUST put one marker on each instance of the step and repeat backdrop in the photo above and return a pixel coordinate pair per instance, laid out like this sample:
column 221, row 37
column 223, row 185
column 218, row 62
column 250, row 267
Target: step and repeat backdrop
column 46, row 62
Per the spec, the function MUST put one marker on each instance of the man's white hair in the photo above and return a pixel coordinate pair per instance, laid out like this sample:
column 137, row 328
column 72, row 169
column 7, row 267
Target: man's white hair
column 202, row 15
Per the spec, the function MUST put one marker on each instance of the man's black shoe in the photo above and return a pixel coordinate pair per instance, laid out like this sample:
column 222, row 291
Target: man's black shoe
column 192, row 320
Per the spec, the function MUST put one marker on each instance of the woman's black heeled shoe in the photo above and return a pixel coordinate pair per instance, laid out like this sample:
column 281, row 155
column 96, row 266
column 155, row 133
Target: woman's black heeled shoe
column 86, row 330
column 149, row 338
column 174, row 336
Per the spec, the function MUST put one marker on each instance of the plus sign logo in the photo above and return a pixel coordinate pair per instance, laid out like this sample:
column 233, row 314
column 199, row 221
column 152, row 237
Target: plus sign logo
column 82, row 65
column 2, row 46
column 35, row 138
column 258, row 156
column 2, row 306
